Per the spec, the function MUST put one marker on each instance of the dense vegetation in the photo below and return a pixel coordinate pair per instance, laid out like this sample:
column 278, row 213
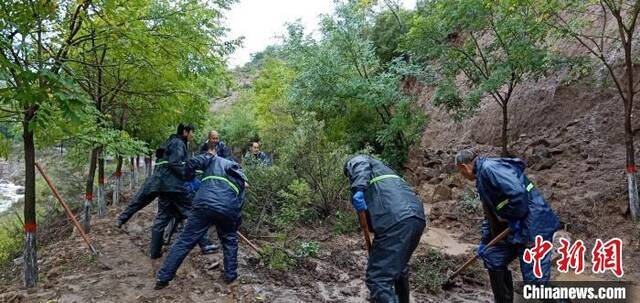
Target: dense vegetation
column 114, row 78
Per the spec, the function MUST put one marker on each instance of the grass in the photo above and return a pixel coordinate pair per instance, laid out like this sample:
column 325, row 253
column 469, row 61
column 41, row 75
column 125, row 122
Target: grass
column 431, row 270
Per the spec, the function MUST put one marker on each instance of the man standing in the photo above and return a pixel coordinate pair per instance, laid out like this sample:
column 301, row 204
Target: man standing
column 510, row 200
column 218, row 202
column 222, row 149
column 397, row 218
column 168, row 186
column 254, row 156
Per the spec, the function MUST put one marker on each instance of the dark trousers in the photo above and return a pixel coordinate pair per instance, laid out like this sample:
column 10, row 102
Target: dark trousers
column 497, row 258
column 143, row 197
column 170, row 205
column 389, row 258
column 197, row 225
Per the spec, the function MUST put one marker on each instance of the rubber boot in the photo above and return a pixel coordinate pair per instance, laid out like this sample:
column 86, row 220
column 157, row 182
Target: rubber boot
column 155, row 247
column 502, row 286
column 402, row 287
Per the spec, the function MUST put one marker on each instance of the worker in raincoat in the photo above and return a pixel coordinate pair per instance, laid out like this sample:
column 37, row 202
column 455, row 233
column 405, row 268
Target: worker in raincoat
column 166, row 184
column 396, row 217
column 510, row 200
column 218, row 202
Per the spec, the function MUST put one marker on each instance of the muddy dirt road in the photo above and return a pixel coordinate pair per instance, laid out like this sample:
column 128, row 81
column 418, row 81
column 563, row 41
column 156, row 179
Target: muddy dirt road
column 70, row 274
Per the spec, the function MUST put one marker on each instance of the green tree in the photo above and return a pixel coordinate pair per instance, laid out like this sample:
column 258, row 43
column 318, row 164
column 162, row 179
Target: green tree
column 390, row 27
column 180, row 43
column 341, row 73
column 605, row 28
column 35, row 39
column 482, row 49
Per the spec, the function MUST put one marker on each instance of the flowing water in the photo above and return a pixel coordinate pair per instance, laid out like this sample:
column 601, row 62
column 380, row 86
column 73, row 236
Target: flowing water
column 9, row 194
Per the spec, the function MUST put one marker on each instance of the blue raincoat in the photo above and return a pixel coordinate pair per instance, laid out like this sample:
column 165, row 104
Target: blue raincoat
column 507, row 194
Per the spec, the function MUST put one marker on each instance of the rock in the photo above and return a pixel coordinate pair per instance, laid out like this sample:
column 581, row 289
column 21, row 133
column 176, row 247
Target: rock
column 533, row 160
column 18, row 261
column 435, row 181
column 441, row 193
column 546, row 164
column 425, row 192
column 434, row 164
column 429, row 173
column 53, row 273
column 452, row 182
column 541, row 151
column 541, row 142
column 573, row 122
column 556, row 151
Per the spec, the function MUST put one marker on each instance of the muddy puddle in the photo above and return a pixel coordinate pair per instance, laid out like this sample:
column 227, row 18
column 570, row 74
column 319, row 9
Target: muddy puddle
column 444, row 241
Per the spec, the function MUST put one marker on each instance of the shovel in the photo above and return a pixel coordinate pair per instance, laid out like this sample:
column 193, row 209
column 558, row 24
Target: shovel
column 449, row 282
column 362, row 217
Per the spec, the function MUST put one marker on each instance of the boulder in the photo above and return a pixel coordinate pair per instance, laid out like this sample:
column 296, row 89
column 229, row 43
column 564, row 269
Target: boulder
column 425, row 192
column 441, row 193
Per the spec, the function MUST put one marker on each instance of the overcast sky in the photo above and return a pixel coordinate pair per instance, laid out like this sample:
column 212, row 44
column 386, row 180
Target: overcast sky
column 262, row 21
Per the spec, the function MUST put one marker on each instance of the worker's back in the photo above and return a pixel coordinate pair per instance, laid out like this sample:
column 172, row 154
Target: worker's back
column 389, row 198
column 222, row 187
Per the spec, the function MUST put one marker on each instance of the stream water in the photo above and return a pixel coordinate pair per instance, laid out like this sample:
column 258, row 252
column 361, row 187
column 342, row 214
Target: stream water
column 9, row 194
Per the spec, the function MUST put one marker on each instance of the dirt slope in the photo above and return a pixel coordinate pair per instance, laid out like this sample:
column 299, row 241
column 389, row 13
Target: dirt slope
column 570, row 135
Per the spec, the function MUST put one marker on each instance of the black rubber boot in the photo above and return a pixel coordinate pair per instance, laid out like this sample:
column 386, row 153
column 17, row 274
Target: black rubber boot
column 160, row 285
column 155, row 247
column 502, row 286
column 402, row 287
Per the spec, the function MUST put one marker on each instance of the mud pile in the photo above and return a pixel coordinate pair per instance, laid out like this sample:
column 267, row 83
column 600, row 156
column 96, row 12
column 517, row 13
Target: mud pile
column 570, row 136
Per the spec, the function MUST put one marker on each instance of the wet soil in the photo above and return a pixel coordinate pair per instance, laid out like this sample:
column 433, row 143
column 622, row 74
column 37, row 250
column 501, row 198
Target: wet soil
column 70, row 274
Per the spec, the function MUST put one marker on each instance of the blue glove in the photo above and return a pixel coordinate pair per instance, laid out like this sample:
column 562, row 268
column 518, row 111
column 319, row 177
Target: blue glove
column 515, row 226
column 358, row 201
column 481, row 250
column 192, row 186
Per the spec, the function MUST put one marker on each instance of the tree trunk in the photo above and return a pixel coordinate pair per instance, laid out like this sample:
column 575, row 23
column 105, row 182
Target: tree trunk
column 505, row 127
column 632, row 181
column 132, row 169
column 632, row 171
column 86, row 218
column 137, row 170
column 30, row 253
column 147, row 167
column 118, row 185
column 102, row 204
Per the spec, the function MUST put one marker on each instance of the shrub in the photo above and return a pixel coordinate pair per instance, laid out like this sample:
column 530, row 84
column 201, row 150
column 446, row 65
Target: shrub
column 275, row 255
column 295, row 206
column 469, row 201
column 10, row 239
column 318, row 162
column 308, row 249
column 345, row 222
column 431, row 270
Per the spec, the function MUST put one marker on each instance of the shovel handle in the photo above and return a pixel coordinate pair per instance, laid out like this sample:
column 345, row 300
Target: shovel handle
column 362, row 217
column 243, row 238
column 495, row 240
column 66, row 208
